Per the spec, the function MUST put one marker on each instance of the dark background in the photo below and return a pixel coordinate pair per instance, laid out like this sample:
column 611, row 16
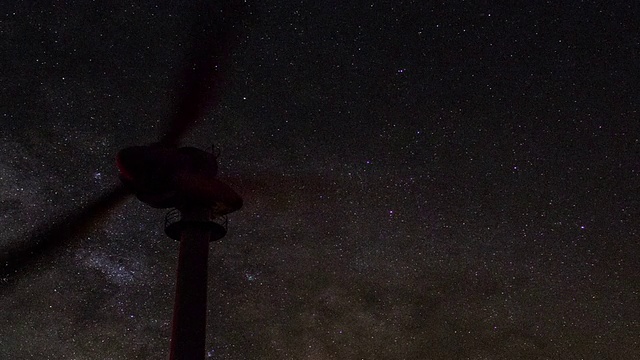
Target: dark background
column 421, row 180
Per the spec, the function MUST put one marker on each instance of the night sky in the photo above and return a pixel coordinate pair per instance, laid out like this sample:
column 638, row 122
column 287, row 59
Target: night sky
column 422, row 180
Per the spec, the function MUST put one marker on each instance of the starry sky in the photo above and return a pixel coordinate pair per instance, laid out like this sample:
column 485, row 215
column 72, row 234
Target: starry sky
column 422, row 180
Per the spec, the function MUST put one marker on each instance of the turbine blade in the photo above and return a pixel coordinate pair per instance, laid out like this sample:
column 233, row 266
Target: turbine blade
column 53, row 238
column 212, row 34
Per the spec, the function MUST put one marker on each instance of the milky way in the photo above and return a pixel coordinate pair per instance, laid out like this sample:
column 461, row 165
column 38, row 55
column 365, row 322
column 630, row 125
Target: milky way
column 420, row 181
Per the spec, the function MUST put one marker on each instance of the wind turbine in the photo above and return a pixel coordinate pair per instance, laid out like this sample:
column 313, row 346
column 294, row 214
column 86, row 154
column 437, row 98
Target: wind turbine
column 163, row 175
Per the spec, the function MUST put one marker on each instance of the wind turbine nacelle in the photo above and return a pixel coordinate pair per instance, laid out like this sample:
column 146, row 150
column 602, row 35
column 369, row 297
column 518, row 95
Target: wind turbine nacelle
column 166, row 177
